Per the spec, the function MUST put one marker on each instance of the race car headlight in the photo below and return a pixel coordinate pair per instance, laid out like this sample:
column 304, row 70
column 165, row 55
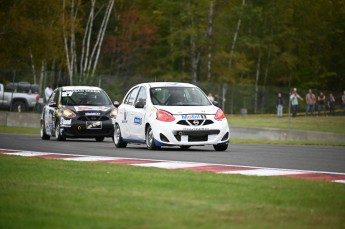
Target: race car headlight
column 113, row 113
column 219, row 115
column 164, row 116
column 68, row 114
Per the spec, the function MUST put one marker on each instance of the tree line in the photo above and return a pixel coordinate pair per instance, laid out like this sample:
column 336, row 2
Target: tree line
column 112, row 43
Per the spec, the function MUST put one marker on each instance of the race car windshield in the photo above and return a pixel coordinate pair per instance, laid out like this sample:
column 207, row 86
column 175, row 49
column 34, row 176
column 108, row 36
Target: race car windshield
column 178, row 96
column 85, row 98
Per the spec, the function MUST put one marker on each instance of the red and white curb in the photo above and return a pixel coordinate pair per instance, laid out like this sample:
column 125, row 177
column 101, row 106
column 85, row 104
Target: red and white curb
column 195, row 166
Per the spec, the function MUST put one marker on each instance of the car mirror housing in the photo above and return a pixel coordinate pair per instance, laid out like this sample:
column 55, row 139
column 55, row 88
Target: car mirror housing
column 139, row 104
column 52, row 104
column 116, row 104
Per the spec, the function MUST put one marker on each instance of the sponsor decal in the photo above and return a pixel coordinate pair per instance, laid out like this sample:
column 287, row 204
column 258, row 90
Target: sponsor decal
column 94, row 125
column 138, row 121
column 70, row 92
column 92, row 114
column 124, row 120
column 64, row 122
column 91, row 108
column 66, row 93
column 193, row 116
column 194, row 129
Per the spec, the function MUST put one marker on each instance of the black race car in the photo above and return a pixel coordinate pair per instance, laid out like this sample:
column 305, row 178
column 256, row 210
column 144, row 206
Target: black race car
column 78, row 112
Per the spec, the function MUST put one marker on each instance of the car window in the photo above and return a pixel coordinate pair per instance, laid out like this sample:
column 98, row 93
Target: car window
column 131, row 96
column 142, row 95
column 178, row 96
column 55, row 97
column 84, row 97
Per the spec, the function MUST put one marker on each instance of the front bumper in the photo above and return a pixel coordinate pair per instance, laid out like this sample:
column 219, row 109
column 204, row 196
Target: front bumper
column 172, row 134
column 86, row 129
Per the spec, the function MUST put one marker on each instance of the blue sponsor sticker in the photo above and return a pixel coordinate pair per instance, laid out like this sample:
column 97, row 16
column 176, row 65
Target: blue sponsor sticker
column 138, row 121
column 192, row 116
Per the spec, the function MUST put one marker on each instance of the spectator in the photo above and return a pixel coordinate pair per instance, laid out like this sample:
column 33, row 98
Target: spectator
column 279, row 104
column 343, row 101
column 321, row 106
column 47, row 92
column 310, row 98
column 294, row 101
column 331, row 104
column 38, row 105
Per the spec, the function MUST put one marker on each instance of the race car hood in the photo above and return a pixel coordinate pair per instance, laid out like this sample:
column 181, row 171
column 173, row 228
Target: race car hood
column 177, row 110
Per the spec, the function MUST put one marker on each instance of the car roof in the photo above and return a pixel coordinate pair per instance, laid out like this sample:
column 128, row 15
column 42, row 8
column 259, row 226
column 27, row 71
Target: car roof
column 168, row 84
column 66, row 88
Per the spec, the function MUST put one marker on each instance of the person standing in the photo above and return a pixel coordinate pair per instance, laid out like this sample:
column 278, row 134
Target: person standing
column 47, row 92
column 279, row 105
column 310, row 99
column 331, row 104
column 294, row 97
column 321, row 106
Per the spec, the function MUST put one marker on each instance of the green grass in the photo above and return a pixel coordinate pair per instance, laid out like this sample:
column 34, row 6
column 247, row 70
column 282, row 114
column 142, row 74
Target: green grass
column 40, row 193
column 331, row 124
column 284, row 142
column 19, row 130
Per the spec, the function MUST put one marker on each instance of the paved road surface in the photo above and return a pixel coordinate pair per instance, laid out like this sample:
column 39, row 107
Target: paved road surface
column 314, row 158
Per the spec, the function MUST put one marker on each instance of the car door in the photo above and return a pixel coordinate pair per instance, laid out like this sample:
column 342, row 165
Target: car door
column 137, row 115
column 125, row 119
column 49, row 113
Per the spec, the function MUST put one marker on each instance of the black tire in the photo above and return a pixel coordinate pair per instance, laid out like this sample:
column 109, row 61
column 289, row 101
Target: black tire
column 19, row 106
column 150, row 142
column 184, row 147
column 99, row 139
column 58, row 136
column 118, row 141
column 44, row 135
column 220, row 147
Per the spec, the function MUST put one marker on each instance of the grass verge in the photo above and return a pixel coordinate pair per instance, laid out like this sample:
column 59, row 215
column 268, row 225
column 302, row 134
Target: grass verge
column 19, row 130
column 40, row 193
column 282, row 142
column 330, row 124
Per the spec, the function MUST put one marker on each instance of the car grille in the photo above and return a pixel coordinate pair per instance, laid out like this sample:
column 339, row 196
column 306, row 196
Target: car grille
column 195, row 122
column 93, row 118
column 74, row 131
column 102, row 132
column 195, row 136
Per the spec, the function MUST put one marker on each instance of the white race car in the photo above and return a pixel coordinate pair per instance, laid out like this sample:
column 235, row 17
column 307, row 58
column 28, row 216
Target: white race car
column 170, row 114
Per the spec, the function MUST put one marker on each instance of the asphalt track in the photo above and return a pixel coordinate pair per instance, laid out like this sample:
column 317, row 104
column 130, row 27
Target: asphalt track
column 312, row 158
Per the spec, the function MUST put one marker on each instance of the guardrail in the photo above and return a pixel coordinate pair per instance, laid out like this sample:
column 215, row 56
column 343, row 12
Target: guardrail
column 18, row 119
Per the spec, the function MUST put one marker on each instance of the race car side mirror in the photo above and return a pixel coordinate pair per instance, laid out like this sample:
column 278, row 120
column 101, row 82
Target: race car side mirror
column 116, row 104
column 52, row 104
column 139, row 104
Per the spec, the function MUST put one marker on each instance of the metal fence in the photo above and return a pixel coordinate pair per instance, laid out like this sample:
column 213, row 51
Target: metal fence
column 233, row 99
